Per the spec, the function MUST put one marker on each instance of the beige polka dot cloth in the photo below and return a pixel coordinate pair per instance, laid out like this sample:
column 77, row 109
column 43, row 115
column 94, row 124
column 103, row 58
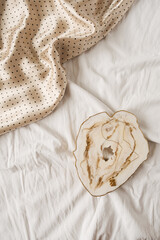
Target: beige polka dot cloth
column 36, row 38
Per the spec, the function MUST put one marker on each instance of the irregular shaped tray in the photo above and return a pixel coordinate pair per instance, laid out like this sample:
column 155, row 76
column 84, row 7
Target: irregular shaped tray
column 108, row 151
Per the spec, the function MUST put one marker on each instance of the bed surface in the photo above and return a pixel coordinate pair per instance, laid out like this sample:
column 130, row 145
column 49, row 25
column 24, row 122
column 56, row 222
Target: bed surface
column 41, row 196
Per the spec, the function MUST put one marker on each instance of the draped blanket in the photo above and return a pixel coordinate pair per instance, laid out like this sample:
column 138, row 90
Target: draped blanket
column 36, row 38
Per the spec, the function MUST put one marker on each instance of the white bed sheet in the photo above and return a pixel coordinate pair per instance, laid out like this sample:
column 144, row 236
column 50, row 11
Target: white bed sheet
column 41, row 196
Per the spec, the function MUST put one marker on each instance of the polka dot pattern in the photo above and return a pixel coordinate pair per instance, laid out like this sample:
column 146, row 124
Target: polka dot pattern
column 36, row 38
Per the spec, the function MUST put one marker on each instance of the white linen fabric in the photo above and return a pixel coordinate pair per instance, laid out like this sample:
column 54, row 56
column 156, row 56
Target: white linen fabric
column 41, row 196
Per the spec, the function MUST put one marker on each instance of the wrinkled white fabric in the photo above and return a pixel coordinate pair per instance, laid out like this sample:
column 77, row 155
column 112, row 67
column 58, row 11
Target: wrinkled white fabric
column 41, row 196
